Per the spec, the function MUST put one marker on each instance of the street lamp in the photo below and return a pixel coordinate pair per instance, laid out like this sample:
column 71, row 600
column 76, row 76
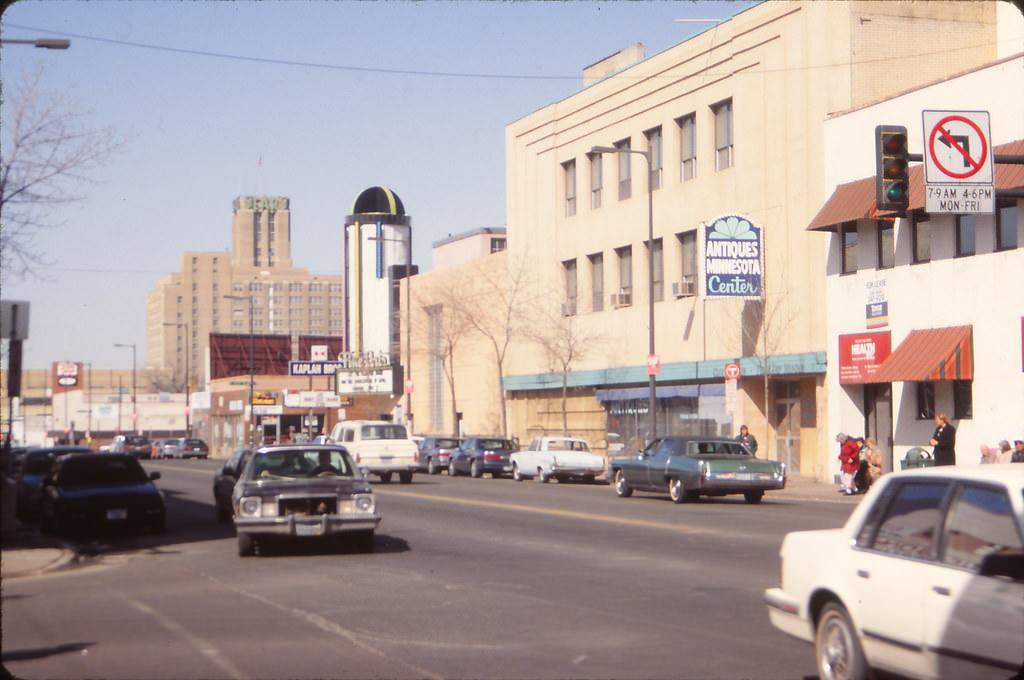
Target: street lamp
column 651, row 356
column 252, row 366
column 188, row 379
column 135, row 412
column 45, row 43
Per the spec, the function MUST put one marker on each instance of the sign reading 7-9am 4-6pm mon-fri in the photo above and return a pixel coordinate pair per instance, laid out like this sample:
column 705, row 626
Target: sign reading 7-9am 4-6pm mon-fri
column 958, row 164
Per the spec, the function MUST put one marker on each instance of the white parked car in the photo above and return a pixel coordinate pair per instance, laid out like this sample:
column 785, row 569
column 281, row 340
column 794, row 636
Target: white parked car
column 926, row 579
column 561, row 458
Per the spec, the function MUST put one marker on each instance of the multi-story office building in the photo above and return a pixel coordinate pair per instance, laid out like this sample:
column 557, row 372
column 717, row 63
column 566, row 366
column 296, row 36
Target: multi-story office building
column 212, row 293
column 679, row 187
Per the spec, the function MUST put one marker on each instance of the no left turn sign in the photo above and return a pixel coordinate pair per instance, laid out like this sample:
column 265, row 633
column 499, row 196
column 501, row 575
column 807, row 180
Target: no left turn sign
column 957, row 147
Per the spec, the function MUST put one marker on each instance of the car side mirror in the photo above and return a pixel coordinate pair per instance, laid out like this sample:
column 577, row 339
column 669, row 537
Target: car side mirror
column 153, row 476
column 1010, row 565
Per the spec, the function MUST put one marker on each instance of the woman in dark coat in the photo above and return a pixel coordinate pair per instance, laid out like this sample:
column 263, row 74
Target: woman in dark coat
column 944, row 441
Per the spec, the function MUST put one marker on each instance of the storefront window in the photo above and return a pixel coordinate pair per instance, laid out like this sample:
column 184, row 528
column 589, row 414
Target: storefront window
column 692, row 410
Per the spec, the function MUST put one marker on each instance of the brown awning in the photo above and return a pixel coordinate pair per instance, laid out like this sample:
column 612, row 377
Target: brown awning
column 856, row 200
column 930, row 354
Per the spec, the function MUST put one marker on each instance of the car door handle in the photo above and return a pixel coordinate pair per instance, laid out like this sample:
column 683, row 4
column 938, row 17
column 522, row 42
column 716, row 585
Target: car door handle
column 863, row 573
column 942, row 590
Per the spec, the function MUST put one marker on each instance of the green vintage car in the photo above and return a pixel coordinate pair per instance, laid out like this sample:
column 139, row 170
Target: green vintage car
column 690, row 467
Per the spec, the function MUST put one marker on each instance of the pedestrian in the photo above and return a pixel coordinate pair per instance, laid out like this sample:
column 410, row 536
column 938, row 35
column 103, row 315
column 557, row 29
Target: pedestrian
column 849, row 462
column 1003, row 453
column 944, row 441
column 874, row 458
column 988, row 454
column 1018, row 451
column 747, row 439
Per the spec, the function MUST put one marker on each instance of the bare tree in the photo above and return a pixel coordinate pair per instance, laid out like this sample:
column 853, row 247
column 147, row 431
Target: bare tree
column 564, row 343
column 497, row 312
column 47, row 149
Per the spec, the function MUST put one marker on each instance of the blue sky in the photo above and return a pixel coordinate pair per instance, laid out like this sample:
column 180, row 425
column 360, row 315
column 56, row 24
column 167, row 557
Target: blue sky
column 311, row 100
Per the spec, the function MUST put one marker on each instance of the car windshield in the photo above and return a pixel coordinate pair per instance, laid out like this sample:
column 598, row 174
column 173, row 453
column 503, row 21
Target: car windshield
column 135, row 440
column 194, row 442
column 497, row 445
column 567, row 445
column 38, row 463
column 701, row 448
column 301, row 463
column 95, row 471
column 384, row 432
column 446, row 443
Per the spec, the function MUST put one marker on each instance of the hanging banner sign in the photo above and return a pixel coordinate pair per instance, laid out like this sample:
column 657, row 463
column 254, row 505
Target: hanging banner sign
column 733, row 262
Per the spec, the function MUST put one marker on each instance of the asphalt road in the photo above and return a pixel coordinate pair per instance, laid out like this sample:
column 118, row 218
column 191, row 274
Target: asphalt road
column 471, row 578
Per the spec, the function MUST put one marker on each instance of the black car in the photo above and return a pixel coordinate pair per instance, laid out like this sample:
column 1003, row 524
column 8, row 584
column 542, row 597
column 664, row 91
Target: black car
column 93, row 492
column 435, row 452
column 194, row 448
column 477, row 455
column 224, row 482
column 32, row 469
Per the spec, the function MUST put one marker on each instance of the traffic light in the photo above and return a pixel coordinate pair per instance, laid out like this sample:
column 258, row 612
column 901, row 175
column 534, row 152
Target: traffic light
column 892, row 177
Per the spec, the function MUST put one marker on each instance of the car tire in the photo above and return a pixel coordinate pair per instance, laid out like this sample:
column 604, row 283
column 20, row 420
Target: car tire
column 542, row 477
column 622, row 487
column 753, row 497
column 246, row 545
column 452, row 472
column 837, row 651
column 432, row 468
column 517, row 473
column 405, row 477
column 676, row 490
column 476, row 469
column 385, row 477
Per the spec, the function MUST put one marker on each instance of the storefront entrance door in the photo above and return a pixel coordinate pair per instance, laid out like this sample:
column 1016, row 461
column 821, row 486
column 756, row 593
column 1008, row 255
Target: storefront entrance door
column 787, row 423
column 878, row 419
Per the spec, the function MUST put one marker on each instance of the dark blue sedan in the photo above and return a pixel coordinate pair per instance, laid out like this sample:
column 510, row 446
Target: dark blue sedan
column 33, row 467
column 477, row 455
column 99, row 492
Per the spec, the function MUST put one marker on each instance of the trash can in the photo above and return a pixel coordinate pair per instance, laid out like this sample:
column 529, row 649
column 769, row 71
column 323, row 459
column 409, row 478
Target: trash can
column 917, row 458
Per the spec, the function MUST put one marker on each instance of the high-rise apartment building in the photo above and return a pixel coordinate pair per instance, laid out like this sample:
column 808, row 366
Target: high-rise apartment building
column 253, row 288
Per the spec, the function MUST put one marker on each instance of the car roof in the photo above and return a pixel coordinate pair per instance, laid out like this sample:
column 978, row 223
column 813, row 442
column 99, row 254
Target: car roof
column 1008, row 474
column 64, row 448
column 96, row 455
column 278, row 448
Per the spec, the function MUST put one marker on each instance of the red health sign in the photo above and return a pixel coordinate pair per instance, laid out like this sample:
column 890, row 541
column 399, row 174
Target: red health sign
column 861, row 354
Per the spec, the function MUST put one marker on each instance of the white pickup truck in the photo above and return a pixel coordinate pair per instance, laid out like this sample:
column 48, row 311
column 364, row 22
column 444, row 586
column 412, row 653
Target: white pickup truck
column 563, row 458
column 379, row 448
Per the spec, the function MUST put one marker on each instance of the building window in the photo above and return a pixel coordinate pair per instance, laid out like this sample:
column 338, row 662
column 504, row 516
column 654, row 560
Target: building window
column 723, row 134
column 596, row 179
column 335, row 287
column 963, row 399
column 848, row 234
column 569, row 171
column 965, row 244
column 654, row 149
column 658, row 270
column 922, row 236
column 596, row 281
column 498, row 245
column 625, row 169
column 571, row 287
column 316, row 299
column 1006, row 225
column 886, row 244
column 688, row 255
column 294, row 287
column 925, row 400
column 687, row 147
column 625, row 255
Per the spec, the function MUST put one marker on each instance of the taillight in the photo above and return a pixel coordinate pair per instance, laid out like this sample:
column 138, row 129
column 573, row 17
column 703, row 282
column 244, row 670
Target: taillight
column 359, row 458
column 491, row 456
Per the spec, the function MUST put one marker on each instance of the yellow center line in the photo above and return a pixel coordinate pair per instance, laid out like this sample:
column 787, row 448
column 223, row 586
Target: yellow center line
column 570, row 514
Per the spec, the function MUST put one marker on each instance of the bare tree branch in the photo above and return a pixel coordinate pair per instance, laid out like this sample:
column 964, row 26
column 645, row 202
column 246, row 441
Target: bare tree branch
column 47, row 150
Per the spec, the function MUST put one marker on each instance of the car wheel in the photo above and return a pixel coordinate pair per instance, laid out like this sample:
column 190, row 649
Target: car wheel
column 475, row 469
column 405, row 477
column 676, row 491
column 542, row 477
column 452, row 472
column 753, row 497
column 622, row 487
column 837, row 650
column 432, row 468
column 385, row 477
column 516, row 473
column 246, row 545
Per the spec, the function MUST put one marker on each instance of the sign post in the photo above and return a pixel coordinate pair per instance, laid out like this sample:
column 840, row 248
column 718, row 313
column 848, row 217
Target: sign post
column 958, row 163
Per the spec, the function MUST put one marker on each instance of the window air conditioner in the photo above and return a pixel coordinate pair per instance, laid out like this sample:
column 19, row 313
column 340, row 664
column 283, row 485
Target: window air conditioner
column 685, row 288
column 621, row 300
column 569, row 308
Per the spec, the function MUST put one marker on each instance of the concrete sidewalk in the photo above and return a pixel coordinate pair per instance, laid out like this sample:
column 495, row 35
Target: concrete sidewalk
column 27, row 552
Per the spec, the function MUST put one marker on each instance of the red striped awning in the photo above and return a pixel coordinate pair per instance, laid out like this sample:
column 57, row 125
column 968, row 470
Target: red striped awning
column 856, row 200
column 930, row 354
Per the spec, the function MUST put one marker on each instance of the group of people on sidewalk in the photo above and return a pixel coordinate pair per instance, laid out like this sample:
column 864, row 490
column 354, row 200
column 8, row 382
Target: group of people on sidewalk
column 860, row 461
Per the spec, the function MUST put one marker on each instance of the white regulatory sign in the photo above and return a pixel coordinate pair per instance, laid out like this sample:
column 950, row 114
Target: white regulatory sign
column 958, row 163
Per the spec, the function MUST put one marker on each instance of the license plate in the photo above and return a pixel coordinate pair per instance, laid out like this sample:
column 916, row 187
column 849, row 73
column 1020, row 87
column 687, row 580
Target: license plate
column 506, row 468
column 742, row 475
column 307, row 529
column 117, row 513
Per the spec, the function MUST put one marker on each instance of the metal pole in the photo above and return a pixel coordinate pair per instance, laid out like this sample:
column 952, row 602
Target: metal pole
column 252, row 378
column 188, row 384
column 408, row 330
column 652, row 395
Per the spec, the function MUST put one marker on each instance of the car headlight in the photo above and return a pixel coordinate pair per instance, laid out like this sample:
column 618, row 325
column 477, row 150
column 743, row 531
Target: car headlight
column 250, row 507
column 364, row 503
